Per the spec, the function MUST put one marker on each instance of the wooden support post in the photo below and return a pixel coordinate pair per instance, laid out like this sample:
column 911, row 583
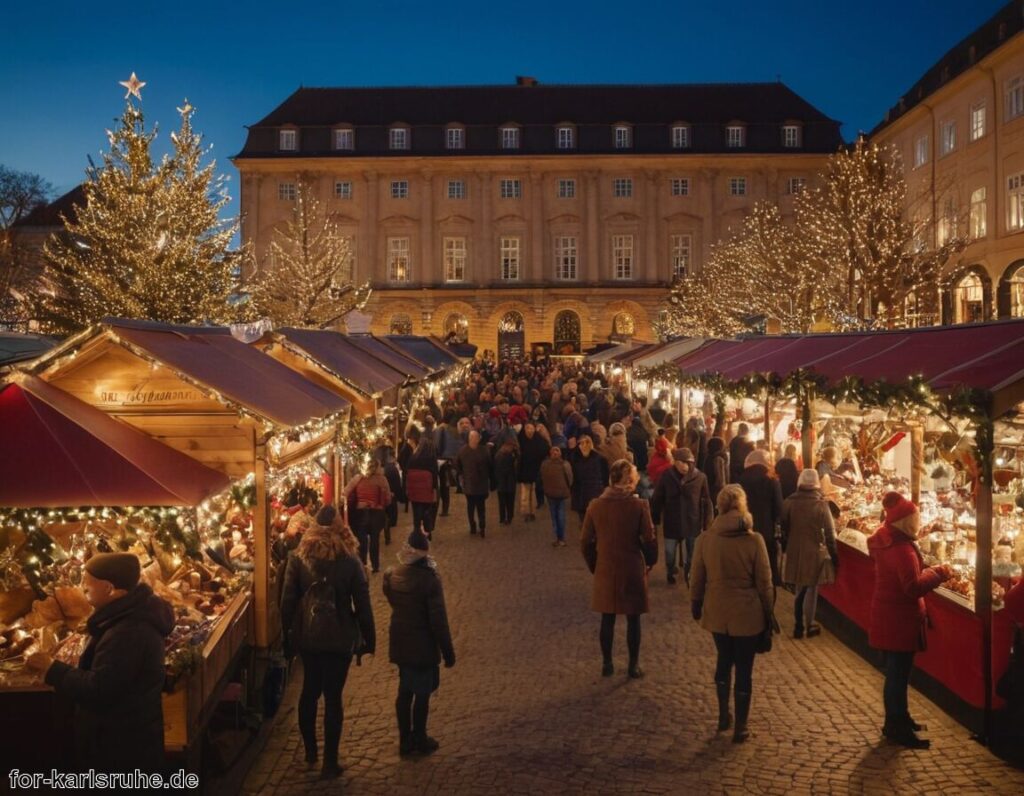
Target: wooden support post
column 768, row 422
column 807, row 428
column 681, row 408
column 983, row 581
column 261, row 532
column 916, row 461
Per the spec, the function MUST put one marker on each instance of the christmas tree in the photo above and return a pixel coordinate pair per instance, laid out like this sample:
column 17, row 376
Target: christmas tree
column 148, row 241
column 308, row 279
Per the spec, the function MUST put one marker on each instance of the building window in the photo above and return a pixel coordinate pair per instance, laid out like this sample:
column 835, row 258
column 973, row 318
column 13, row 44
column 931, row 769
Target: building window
column 623, row 137
column 795, row 184
column 979, row 214
column 567, row 333
column 622, row 256
column 286, row 191
column 1016, row 286
column 509, row 248
column 456, row 189
column 913, row 315
column 680, row 186
column 455, row 138
column 921, row 151
column 737, row 186
column 622, row 187
column 948, row 140
column 680, row 246
column 287, row 140
column 400, row 324
column 346, row 273
column 454, row 259
column 969, row 300
column 567, row 189
column 565, row 257
column 1014, row 97
column 399, row 189
column 680, row 136
column 510, row 138
column 398, row 138
column 398, row 260
column 342, row 189
column 511, row 189
column 791, row 136
column 623, row 325
column 1015, row 202
column 977, row 121
column 456, row 328
column 735, row 136
column 565, row 138
column 344, row 139
column 946, row 228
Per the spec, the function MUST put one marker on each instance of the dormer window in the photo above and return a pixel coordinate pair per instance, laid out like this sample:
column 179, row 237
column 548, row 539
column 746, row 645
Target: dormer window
column 288, row 140
column 455, row 138
column 791, row 136
column 510, row 137
column 344, row 139
column 398, row 138
column 680, row 136
column 565, row 137
column 735, row 136
column 623, row 136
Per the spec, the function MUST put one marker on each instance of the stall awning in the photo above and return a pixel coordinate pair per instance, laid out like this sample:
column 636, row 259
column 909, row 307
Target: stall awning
column 424, row 350
column 387, row 353
column 18, row 347
column 609, row 353
column 335, row 352
column 667, row 352
column 628, row 357
column 213, row 358
column 58, row 451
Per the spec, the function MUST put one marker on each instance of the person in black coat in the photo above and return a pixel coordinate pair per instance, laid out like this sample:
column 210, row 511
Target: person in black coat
column 506, row 465
column 326, row 654
column 533, row 450
column 785, row 468
column 637, row 440
column 682, row 498
column 740, row 447
column 716, row 467
column 420, row 638
column 117, row 686
column 589, row 475
column 386, row 457
column 764, row 499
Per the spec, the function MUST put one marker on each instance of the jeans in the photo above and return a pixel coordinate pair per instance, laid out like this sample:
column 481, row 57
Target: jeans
column 557, row 508
column 735, row 652
column 527, row 496
column 671, row 545
column 805, row 606
column 607, row 636
column 506, row 506
column 897, row 680
column 423, row 516
column 322, row 674
column 478, row 504
column 370, row 522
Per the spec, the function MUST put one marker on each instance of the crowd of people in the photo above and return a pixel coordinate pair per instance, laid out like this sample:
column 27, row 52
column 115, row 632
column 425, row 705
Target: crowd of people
column 536, row 433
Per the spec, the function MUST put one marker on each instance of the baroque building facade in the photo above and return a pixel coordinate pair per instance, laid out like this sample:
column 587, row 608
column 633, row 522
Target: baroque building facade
column 523, row 214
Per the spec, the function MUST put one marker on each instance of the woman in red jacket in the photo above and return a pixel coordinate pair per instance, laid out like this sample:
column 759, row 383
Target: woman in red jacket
column 898, row 618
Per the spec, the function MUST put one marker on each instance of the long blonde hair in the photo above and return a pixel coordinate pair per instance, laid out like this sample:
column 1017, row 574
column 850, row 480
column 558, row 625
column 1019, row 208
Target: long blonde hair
column 733, row 498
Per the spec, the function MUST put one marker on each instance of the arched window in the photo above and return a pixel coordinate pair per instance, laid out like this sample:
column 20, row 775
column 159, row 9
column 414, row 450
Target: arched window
column 969, row 300
column 912, row 310
column 567, row 333
column 511, row 322
column 1016, row 285
column 400, row 324
column 623, row 325
column 456, row 328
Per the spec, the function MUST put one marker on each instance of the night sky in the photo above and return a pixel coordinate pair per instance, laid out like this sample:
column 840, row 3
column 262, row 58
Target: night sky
column 60, row 64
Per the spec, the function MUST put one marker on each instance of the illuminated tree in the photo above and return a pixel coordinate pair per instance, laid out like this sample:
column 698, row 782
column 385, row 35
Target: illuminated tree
column 20, row 193
column 308, row 279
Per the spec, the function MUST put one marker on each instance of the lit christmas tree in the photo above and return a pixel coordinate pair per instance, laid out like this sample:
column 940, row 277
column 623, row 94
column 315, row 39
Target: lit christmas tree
column 148, row 241
column 308, row 279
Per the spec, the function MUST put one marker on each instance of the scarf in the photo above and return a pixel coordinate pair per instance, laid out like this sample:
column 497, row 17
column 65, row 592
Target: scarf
column 410, row 555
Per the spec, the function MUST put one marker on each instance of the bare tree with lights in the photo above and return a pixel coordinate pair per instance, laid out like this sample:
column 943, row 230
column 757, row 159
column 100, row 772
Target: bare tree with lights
column 148, row 241
column 20, row 193
column 308, row 279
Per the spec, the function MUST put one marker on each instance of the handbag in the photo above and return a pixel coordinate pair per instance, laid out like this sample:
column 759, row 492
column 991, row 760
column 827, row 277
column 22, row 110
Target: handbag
column 771, row 626
column 826, row 569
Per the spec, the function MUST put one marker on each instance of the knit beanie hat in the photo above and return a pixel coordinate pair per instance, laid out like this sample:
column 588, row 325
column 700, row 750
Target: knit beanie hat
column 897, row 507
column 756, row 457
column 663, row 445
column 417, row 541
column 121, row 569
column 809, row 479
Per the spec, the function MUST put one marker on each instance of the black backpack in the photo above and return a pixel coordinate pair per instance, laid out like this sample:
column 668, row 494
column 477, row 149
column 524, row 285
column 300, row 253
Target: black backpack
column 321, row 626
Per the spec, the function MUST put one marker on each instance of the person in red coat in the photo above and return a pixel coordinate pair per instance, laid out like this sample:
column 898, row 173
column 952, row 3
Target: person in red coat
column 898, row 619
column 660, row 461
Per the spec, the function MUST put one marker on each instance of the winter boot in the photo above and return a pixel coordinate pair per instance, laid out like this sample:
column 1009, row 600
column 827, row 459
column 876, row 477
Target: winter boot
column 901, row 731
column 635, row 672
column 724, row 717
column 405, row 739
column 740, row 732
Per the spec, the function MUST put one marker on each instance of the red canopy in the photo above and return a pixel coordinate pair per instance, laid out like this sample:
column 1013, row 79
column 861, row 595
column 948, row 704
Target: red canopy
column 58, row 451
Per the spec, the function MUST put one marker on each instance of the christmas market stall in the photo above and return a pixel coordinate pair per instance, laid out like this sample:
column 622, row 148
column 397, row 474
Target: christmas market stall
column 74, row 482
column 933, row 413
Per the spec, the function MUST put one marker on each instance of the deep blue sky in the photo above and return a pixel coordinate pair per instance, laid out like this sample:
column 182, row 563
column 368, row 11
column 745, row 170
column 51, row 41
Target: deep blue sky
column 60, row 61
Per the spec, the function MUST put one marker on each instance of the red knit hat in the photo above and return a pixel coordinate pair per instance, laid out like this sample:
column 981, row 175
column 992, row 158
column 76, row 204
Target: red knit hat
column 897, row 507
column 662, row 445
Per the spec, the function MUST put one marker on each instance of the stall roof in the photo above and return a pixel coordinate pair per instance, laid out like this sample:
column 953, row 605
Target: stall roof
column 57, row 450
column 212, row 358
column 336, row 352
column 20, row 347
column 425, row 350
column 667, row 352
column 391, row 355
column 607, row 354
column 628, row 357
column 987, row 356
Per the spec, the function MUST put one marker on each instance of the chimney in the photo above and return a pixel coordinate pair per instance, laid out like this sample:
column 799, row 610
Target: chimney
column 521, row 80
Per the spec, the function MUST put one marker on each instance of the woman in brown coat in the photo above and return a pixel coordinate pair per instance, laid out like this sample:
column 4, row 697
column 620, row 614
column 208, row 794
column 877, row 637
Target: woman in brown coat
column 731, row 592
column 620, row 547
column 809, row 539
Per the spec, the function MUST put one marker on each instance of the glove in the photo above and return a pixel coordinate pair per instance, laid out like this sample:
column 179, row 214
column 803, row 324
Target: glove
column 449, row 662
column 697, row 609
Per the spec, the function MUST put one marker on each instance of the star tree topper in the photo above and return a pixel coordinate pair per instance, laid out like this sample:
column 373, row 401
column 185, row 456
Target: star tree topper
column 134, row 85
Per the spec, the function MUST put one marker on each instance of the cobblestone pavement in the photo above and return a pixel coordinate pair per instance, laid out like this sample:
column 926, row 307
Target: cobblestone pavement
column 525, row 710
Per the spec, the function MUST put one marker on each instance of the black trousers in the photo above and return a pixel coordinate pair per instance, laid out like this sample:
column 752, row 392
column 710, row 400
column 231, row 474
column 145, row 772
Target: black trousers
column 607, row 636
column 506, row 506
column 898, row 666
column 424, row 516
column 369, row 524
column 323, row 674
column 477, row 504
column 735, row 652
column 445, row 486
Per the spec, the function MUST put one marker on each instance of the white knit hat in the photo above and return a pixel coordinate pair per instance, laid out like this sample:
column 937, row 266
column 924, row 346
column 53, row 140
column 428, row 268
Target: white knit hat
column 809, row 480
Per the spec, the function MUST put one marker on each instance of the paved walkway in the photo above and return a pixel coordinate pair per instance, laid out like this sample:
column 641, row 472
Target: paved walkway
column 525, row 710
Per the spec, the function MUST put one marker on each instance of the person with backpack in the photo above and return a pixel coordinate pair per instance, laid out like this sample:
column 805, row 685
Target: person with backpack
column 419, row 639
column 371, row 495
column 326, row 617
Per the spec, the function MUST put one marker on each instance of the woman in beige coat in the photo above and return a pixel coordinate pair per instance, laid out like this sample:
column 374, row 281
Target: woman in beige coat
column 809, row 539
column 731, row 592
